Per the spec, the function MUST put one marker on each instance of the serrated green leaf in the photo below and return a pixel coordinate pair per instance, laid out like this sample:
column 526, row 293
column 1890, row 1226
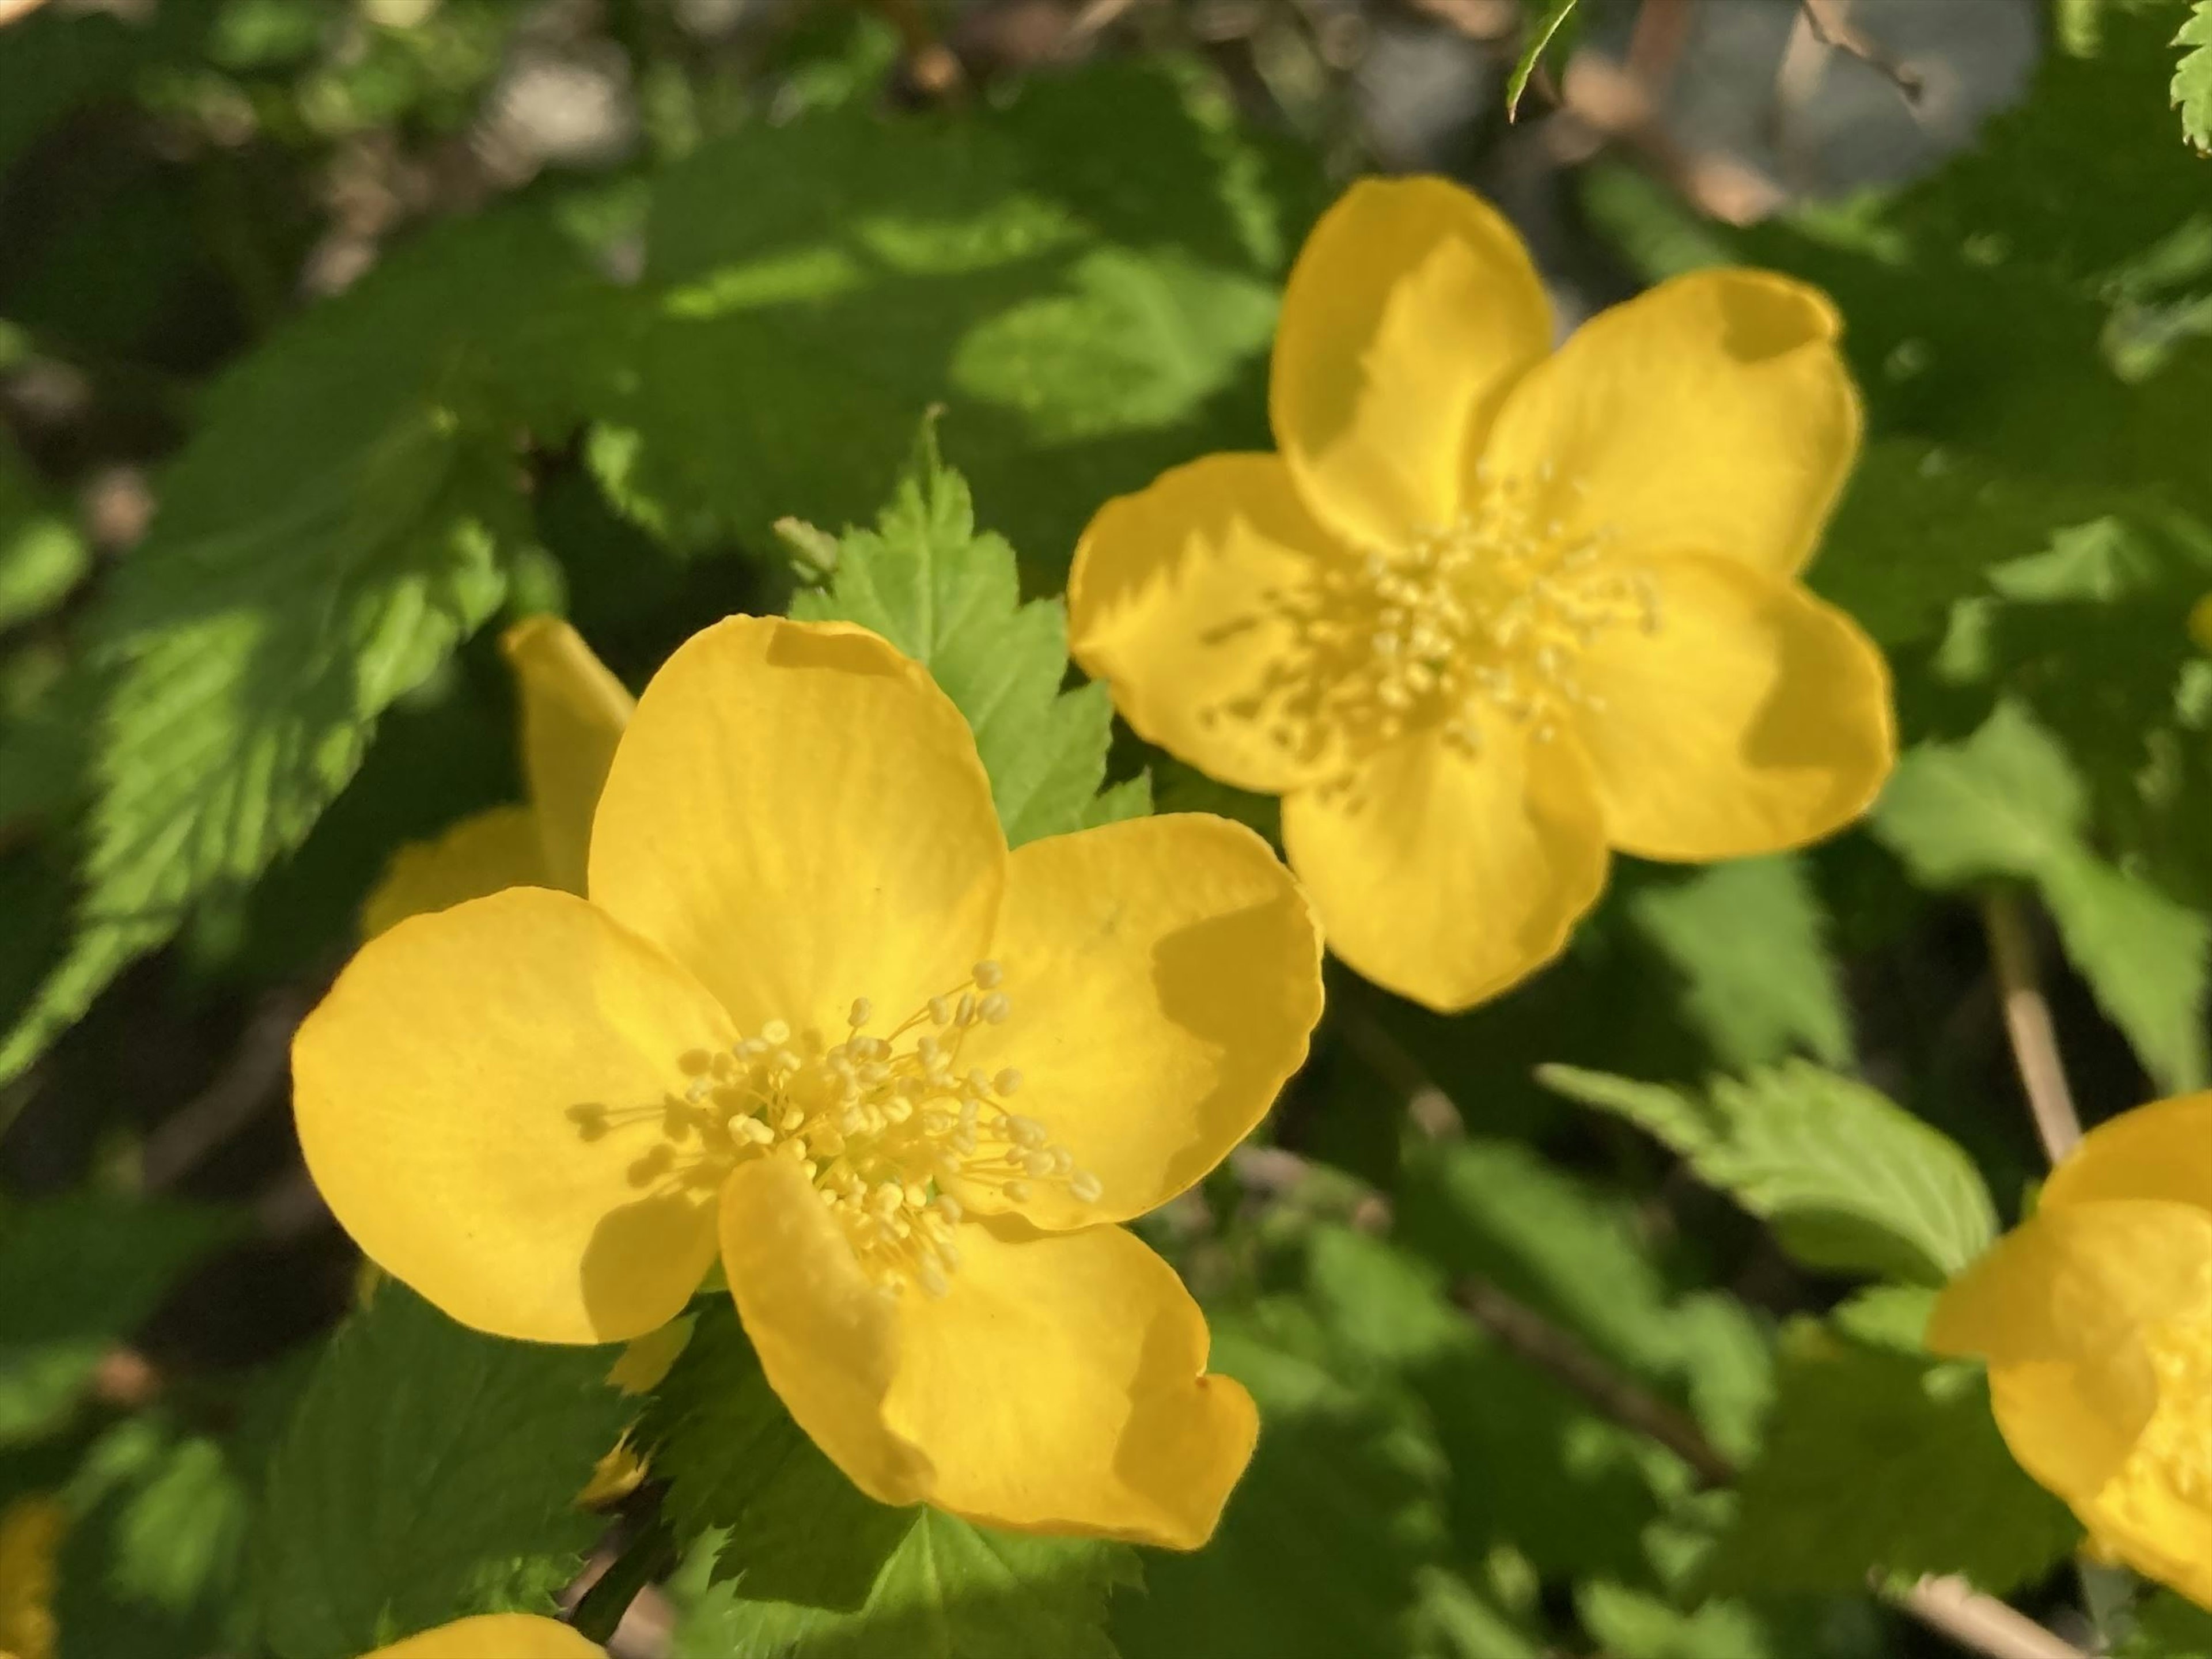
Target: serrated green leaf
column 78, row 1274
column 1876, row 1461
column 428, row 1471
column 949, row 597
column 1849, row 1181
column 1750, row 941
column 1536, row 38
column 2191, row 91
column 335, row 526
column 1089, row 314
column 2007, row 803
column 1348, row 1479
column 950, row 1590
column 790, row 1527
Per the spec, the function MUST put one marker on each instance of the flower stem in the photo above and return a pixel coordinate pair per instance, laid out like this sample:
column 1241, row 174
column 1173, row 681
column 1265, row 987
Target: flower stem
column 650, row 1555
column 2027, row 1023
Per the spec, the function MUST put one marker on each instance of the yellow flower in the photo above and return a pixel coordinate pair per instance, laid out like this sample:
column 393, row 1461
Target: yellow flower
column 2096, row 1319
column 573, row 714
column 1493, row 610
column 495, row 1636
column 816, row 1016
column 30, row 1540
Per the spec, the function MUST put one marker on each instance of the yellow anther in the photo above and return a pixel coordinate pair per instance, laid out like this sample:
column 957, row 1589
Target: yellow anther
column 995, row 1007
column 863, row 1012
column 775, row 1033
column 1007, row 1082
column 988, row 974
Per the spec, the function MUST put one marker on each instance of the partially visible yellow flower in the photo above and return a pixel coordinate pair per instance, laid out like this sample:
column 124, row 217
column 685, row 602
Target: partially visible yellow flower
column 2096, row 1319
column 1492, row 610
column 815, row 1018
column 573, row 714
column 495, row 1636
column 30, row 1543
column 2200, row 623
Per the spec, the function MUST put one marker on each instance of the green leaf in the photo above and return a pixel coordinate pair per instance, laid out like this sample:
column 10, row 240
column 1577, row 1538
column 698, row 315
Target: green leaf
column 42, row 556
column 1324, row 1547
column 949, row 597
column 2007, row 803
column 790, row 1527
column 2193, row 77
column 1848, row 1181
column 155, row 1545
column 429, row 1472
column 2167, row 1626
column 950, row 1590
column 335, row 526
column 1535, row 38
column 77, row 1275
column 1877, row 1461
column 1750, row 941
column 1089, row 313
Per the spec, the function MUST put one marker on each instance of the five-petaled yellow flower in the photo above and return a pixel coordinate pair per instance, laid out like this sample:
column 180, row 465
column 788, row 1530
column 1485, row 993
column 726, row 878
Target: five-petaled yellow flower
column 573, row 714
column 815, row 1015
column 495, row 1636
column 1493, row 610
column 2095, row 1317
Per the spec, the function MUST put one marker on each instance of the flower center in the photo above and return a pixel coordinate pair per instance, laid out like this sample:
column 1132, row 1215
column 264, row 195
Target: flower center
column 885, row 1126
column 2175, row 1450
column 1483, row 618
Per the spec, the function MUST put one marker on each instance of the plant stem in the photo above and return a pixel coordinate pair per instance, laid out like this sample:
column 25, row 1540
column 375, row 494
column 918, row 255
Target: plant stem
column 650, row 1555
column 2027, row 1023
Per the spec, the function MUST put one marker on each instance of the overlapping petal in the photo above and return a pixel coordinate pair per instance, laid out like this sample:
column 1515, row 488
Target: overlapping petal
column 1712, row 413
column 483, row 853
column 1754, row 717
column 1186, row 596
column 480, row 1100
column 573, row 716
column 797, row 813
column 1411, row 311
column 1165, row 974
column 2058, row 1307
column 496, row 1636
column 2162, row 1151
column 1446, row 876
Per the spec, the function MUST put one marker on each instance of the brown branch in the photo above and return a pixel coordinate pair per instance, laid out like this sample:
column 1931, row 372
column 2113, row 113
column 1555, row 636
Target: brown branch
column 2027, row 1023
column 1830, row 25
column 249, row 1082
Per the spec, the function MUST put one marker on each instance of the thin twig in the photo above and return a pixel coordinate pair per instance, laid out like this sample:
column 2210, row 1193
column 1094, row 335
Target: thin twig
column 2027, row 1023
column 1948, row 1605
column 250, row 1080
column 1830, row 27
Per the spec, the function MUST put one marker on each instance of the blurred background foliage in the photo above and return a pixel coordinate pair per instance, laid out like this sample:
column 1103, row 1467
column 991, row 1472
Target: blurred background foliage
column 331, row 335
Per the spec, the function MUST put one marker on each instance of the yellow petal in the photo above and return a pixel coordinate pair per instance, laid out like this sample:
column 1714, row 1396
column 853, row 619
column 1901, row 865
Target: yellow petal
column 480, row 854
column 1164, row 975
column 1711, row 414
column 1059, row 1385
column 827, row 1338
column 481, row 1101
column 31, row 1528
column 2058, row 1309
column 797, row 813
column 495, row 1636
column 1447, row 877
column 1411, row 311
column 1182, row 599
column 573, row 714
column 2160, row 1151
column 1754, row 717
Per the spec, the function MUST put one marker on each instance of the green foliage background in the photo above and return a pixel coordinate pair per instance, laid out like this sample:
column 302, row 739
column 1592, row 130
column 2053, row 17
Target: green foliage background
column 1726, row 1148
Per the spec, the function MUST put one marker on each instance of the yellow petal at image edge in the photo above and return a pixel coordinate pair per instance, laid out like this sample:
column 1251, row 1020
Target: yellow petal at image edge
column 446, row 1092
column 1058, row 1386
column 2056, row 1308
column 1754, row 719
column 573, row 716
column 1409, row 313
column 1712, row 413
column 1181, row 597
column 1164, row 975
column 1447, row 877
column 2163, row 1150
column 479, row 855
column 798, row 815
column 495, row 1636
